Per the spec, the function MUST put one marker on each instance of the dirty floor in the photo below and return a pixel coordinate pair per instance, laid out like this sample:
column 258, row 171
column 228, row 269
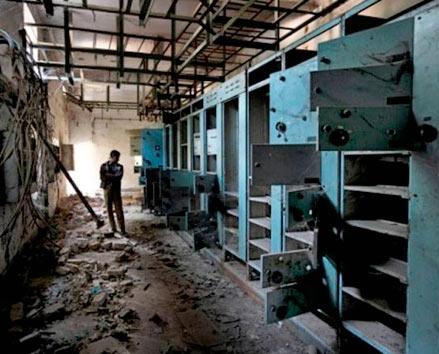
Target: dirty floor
column 89, row 292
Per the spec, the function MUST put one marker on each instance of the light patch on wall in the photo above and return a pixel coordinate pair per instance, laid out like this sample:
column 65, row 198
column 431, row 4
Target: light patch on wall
column 86, row 174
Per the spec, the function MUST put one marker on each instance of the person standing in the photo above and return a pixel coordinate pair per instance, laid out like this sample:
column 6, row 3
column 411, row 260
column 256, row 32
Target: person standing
column 111, row 173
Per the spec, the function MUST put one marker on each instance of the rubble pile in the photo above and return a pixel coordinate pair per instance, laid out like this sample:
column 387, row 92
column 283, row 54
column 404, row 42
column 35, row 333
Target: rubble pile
column 81, row 271
column 84, row 291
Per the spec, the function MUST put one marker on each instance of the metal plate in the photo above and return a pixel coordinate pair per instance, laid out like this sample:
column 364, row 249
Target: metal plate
column 384, row 44
column 152, row 147
column 285, row 164
column 232, row 87
column 283, row 303
column 180, row 178
column 211, row 98
column 301, row 205
column 212, row 141
column 177, row 199
column 204, row 238
column 423, row 289
column 373, row 86
column 290, row 106
column 197, row 218
column 386, row 128
column 197, row 145
column 206, row 184
column 284, row 268
column 177, row 221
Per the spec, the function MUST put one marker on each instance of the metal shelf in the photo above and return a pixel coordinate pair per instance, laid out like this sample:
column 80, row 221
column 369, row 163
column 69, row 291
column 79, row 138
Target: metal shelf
column 301, row 187
column 255, row 264
column 377, row 303
column 263, row 199
column 377, row 335
column 262, row 243
column 231, row 194
column 394, row 268
column 306, row 237
column 233, row 212
column 398, row 191
column 264, row 222
column 378, row 152
column 385, row 227
column 231, row 230
column 231, row 242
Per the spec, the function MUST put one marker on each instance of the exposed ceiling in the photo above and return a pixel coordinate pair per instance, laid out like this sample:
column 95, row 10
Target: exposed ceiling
column 151, row 55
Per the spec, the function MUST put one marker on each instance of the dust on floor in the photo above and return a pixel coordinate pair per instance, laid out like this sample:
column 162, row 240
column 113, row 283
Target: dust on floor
column 89, row 292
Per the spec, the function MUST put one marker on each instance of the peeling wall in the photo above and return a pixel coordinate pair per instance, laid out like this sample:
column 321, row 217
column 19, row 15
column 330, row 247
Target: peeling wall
column 94, row 135
column 11, row 21
column 60, row 135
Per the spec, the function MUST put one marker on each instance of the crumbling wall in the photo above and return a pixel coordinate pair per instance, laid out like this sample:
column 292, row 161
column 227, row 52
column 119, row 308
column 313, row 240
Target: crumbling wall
column 94, row 135
column 17, row 222
column 59, row 122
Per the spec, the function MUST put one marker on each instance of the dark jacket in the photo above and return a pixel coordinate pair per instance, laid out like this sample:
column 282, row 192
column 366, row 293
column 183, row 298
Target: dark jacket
column 111, row 175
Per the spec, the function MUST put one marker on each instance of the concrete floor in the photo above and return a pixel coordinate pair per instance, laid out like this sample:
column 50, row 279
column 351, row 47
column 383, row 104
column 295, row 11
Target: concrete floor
column 147, row 294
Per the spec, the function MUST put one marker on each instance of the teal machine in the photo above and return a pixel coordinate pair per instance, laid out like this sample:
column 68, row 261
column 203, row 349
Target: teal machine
column 190, row 173
column 224, row 122
column 375, row 210
column 328, row 170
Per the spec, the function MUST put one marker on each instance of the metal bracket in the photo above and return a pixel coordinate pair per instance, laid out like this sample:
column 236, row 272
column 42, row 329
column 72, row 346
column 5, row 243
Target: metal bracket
column 285, row 164
column 301, row 205
column 383, row 128
column 206, row 184
column 373, row 86
column 177, row 221
column 204, row 238
column 178, row 199
column 197, row 218
column 292, row 300
column 284, row 268
column 283, row 303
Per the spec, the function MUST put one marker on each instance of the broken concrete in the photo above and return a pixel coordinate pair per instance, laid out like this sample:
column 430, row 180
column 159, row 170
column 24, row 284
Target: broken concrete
column 148, row 294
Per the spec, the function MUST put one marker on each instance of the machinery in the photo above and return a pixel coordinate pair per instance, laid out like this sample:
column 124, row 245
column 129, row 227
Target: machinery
column 325, row 166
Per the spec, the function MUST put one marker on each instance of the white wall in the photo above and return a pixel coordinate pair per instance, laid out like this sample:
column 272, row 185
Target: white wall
column 59, row 122
column 94, row 136
column 11, row 20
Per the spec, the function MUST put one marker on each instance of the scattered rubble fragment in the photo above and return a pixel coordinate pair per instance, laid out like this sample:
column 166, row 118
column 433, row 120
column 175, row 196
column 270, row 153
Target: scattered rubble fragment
column 98, row 292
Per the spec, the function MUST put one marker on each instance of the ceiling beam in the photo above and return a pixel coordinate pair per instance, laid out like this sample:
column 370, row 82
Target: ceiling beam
column 108, row 33
column 122, row 82
column 48, row 6
column 206, row 43
column 111, row 52
column 110, row 10
column 132, row 70
column 145, row 9
column 267, row 7
column 67, row 53
column 240, row 22
column 232, row 42
column 128, row 8
column 120, row 39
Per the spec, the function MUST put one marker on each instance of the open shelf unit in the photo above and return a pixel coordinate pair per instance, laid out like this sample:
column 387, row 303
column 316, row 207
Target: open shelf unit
column 376, row 229
column 231, row 195
column 196, row 143
column 259, row 201
column 184, row 146
column 299, row 227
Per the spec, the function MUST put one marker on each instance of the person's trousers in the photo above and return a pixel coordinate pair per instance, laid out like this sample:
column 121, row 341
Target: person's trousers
column 114, row 198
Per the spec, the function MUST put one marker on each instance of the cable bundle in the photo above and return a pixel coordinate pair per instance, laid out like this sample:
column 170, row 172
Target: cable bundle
column 24, row 96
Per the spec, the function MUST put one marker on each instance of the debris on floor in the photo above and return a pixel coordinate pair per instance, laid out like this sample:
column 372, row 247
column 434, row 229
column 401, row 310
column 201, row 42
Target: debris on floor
column 85, row 291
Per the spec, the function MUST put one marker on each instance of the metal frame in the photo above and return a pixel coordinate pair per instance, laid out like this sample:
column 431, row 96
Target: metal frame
column 222, row 26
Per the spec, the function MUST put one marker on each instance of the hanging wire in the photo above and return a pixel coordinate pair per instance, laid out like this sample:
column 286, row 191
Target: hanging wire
column 24, row 95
